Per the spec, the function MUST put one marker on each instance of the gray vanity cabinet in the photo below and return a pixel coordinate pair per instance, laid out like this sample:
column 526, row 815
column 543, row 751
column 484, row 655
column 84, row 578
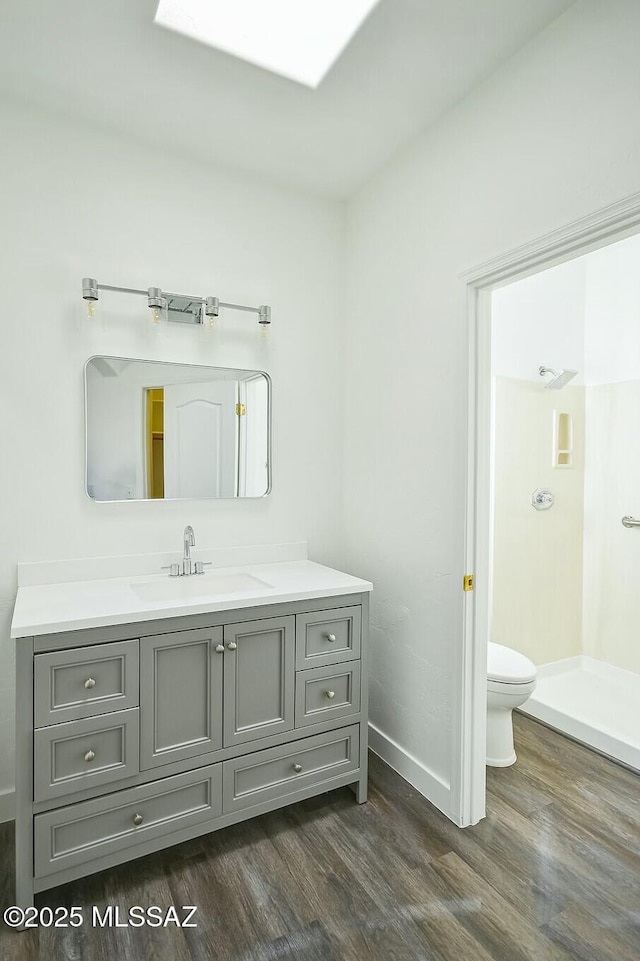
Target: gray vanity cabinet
column 133, row 737
column 181, row 679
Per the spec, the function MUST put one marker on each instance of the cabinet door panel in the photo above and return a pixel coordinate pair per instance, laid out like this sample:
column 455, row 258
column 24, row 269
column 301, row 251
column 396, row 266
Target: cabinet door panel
column 259, row 678
column 180, row 696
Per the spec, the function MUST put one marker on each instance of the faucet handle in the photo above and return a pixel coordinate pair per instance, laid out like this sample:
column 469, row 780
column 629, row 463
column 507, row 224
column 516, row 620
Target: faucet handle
column 174, row 570
column 200, row 565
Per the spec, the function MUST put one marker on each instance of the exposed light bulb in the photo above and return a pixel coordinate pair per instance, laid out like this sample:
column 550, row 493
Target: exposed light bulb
column 90, row 308
column 155, row 316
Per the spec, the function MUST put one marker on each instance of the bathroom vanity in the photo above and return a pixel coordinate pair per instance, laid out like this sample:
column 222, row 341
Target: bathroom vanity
column 151, row 710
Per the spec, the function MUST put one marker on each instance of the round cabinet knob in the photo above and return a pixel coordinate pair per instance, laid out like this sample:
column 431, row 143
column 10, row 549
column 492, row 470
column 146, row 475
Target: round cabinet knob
column 137, row 819
column 330, row 637
column 330, row 694
column 89, row 683
column 89, row 756
column 297, row 768
column 219, row 648
column 231, row 646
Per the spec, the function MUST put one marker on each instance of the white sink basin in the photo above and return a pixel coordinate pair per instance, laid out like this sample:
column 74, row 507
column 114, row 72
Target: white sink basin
column 198, row 585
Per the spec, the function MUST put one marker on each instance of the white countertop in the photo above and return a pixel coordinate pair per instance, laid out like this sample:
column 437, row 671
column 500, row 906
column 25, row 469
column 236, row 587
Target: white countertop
column 76, row 605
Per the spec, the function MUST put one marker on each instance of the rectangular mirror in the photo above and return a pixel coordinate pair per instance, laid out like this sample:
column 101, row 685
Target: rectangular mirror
column 160, row 431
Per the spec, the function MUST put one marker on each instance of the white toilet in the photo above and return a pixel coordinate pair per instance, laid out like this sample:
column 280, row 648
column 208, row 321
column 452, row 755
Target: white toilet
column 511, row 679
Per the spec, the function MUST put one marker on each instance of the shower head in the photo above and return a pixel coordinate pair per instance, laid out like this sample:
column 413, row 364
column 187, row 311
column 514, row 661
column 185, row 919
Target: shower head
column 560, row 378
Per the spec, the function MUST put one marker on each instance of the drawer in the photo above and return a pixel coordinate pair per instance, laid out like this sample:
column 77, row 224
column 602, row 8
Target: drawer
column 283, row 770
column 327, row 692
column 87, row 831
column 327, row 637
column 80, row 754
column 85, row 681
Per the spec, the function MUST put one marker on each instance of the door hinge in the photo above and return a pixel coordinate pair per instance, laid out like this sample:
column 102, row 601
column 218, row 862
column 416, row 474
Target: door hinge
column 467, row 583
column 241, row 410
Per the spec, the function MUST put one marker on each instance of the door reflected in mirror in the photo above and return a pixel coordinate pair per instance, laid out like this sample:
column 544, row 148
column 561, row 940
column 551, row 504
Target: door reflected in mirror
column 161, row 431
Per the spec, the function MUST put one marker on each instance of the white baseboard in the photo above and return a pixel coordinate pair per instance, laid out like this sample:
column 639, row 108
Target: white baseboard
column 7, row 806
column 432, row 787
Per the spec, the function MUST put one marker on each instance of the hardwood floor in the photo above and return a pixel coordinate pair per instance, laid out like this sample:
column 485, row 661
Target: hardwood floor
column 552, row 874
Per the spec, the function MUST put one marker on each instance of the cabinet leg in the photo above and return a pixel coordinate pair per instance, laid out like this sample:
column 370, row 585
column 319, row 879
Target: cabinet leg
column 24, row 895
column 359, row 788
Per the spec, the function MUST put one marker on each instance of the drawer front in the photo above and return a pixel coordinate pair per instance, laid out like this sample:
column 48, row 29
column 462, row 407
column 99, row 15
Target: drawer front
column 283, row 770
column 327, row 637
column 85, row 682
column 327, row 692
column 80, row 754
column 84, row 832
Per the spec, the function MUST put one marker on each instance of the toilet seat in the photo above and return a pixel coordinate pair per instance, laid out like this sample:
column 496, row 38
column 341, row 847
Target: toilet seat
column 516, row 689
column 506, row 666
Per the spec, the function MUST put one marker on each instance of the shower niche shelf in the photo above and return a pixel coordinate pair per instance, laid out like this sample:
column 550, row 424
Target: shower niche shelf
column 562, row 439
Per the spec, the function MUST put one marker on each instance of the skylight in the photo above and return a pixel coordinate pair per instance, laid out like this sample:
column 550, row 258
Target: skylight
column 299, row 39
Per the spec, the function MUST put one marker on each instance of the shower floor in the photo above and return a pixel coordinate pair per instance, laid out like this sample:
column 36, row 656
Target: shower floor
column 593, row 702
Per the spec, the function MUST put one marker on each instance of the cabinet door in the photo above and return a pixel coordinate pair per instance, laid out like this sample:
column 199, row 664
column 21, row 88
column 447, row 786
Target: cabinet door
column 259, row 679
column 180, row 696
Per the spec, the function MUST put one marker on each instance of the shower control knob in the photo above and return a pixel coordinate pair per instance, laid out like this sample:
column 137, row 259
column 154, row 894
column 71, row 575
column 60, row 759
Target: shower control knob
column 542, row 499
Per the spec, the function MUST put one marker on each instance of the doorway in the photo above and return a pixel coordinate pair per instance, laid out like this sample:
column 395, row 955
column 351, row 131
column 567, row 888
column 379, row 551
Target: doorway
column 606, row 227
column 565, row 472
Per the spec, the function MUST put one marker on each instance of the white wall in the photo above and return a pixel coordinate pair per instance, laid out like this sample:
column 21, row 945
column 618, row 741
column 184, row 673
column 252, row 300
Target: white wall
column 549, row 138
column 539, row 322
column 79, row 203
column 612, row 313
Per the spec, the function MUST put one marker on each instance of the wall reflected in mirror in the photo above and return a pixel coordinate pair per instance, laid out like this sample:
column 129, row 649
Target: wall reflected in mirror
column 161, row 431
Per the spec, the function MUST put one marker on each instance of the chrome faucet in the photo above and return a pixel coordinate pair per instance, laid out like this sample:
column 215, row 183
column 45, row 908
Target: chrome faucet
column 187, row 567
column 189, row 542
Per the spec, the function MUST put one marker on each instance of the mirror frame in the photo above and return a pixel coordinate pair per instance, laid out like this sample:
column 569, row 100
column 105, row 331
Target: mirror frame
column 172, row 500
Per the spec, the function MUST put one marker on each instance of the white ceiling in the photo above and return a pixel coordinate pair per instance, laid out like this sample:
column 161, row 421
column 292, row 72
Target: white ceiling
column 105, row 60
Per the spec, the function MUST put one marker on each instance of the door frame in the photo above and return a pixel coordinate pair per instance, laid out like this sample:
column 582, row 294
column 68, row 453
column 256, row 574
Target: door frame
column 606, row 226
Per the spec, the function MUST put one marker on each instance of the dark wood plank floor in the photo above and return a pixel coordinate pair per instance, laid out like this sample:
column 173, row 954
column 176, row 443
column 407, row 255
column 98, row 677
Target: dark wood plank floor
column 552, row 874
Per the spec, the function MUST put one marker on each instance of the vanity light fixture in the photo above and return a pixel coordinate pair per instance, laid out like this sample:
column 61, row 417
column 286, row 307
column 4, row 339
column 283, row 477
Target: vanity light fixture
column 179, row 308
column 211, row 309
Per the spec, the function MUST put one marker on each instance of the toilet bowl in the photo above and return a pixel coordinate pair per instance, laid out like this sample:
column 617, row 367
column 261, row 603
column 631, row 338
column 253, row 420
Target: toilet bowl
column 511, row 679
